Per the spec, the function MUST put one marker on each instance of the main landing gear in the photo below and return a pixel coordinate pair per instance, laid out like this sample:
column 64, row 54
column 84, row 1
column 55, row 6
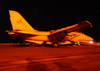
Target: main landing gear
column 55, row 44
column 33, row 45
column 44, row 43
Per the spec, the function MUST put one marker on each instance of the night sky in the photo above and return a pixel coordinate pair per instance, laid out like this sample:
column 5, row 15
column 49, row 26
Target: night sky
column 51, row 15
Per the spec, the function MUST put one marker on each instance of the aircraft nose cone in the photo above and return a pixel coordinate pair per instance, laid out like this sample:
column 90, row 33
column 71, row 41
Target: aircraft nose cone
column 90, row 38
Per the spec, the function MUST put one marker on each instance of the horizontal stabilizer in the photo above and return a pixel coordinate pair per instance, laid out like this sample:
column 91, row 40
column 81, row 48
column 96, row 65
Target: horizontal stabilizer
column 37, row 42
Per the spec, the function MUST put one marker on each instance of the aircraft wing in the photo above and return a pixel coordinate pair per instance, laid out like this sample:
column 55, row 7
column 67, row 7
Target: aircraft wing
column 79, row 26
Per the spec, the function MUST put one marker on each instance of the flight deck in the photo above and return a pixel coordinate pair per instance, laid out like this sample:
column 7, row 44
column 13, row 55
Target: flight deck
column 62, row 58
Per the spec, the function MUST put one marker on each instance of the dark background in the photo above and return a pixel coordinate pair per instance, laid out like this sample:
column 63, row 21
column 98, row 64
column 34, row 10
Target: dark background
column 51, row 15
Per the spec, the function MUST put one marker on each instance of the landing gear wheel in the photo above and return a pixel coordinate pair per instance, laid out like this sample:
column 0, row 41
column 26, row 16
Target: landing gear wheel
column 33, row 45
column 77, row 44
column 55, row 44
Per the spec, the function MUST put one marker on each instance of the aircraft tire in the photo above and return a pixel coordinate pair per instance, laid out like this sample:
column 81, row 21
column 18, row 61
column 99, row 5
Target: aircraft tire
column 33, row 45
column 55, row 44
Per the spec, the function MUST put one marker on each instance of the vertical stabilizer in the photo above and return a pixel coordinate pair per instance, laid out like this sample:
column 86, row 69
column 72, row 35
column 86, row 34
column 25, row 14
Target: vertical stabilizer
column 18, row 22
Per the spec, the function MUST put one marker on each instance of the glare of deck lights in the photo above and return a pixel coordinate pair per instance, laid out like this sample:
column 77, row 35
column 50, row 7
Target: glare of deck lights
column 91, row 42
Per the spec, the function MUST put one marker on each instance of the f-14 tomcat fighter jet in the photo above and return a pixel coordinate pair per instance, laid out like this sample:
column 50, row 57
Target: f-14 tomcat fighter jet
column 21, row 28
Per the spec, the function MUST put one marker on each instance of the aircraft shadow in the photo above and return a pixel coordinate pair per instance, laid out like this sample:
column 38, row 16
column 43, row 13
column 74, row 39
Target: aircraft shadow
column 63, row 66
column 37, row 66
